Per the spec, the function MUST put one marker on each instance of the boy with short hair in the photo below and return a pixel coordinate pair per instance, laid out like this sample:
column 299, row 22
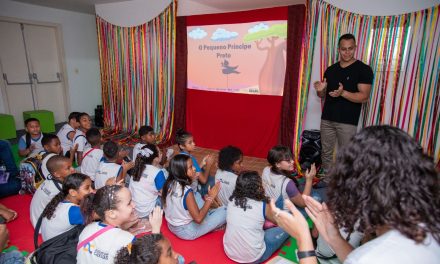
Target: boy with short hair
column 92, row 155
column 146, row 133
column 108, row 168
column 30, row 144
column 85, row 123
column 59, row 168
column 67, row 133
column 52, row 147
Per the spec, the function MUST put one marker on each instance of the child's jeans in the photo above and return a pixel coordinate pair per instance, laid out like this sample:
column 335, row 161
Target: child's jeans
column 273, row 238
column 213, row 220
column 12, row 257
column 203, row 188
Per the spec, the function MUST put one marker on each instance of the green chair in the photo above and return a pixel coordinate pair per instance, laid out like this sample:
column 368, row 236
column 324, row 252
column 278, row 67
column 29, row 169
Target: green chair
column 7, row 124
column 46, row 118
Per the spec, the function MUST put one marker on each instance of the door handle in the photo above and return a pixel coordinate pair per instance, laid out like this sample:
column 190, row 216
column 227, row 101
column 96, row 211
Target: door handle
column 35, row 76
column 5, row 77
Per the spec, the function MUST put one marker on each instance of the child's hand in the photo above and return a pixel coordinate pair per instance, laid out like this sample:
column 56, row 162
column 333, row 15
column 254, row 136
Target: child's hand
column 207, row 160
column 213, row 192
column 74, row 149
column 155, row 219
column 32, row 147
column 127, row 165
column 311, row 174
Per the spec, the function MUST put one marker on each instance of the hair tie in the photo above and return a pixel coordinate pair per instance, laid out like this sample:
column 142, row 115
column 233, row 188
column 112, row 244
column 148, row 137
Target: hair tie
column 146, row 152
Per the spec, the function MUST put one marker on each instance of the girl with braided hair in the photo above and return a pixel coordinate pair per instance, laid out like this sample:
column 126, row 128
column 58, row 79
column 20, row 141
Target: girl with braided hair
column 63, row 211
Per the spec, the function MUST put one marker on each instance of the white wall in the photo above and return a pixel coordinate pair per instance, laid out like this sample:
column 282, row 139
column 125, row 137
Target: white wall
column 80, row 49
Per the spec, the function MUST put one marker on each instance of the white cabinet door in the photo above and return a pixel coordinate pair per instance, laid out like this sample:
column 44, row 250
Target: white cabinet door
column 16, row 90
column 42, row 46
column 32, row 75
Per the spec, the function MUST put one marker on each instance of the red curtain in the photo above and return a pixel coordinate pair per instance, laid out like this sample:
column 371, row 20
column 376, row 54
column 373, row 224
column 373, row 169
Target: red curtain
column 251, row 122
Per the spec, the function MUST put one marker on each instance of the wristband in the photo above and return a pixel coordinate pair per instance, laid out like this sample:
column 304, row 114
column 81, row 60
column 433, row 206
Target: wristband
column 305, row 254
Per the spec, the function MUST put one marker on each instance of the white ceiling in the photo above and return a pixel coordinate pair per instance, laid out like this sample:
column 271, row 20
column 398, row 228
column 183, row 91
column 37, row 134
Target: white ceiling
column 187, row 6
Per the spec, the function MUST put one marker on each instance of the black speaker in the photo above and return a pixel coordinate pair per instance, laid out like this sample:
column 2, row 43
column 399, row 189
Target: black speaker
column 99, row 116
column 310, row 151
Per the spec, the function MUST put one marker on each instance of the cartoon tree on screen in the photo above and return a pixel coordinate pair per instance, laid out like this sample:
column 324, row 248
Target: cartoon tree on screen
column 272, row 40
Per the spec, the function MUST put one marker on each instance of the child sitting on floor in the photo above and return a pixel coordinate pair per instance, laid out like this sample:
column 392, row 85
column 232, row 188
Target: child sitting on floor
column 30, row 143
column 109, row 168
column 147, row 180
column 278, row 183
column 92, row 156
column 147, row 136
column 59, row 168
column 186, row 144
column 245, row 241
column 52, row 147
column 229, row 165
column 151, row 249
column 67, row 132
column 187, row 217
column 100, row 241
column 85, row 123
column 63, row 212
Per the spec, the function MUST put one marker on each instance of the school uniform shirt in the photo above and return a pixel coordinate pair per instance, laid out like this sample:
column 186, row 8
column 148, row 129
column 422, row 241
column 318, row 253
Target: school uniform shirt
column 176, row 209
column 81, row 140
column 136, row 149
column 34, row 141
column 393, row 247
column 228, row 180
column 44, row 169
column 106, row 170
column 103, row 248
column 146, row 191
column 44, row 194
column 66, row 142
column 91, row 160
column 276, row 184
column 66, row 216
column 244, row 236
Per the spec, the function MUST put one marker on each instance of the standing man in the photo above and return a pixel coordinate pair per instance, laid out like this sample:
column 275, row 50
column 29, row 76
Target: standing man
column 345, row 87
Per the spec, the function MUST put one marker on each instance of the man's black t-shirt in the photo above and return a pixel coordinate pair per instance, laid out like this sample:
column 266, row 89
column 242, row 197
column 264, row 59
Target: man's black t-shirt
column 339, row 109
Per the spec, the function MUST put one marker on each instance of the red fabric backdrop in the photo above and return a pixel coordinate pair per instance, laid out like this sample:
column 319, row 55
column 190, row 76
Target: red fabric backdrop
column 250, row 122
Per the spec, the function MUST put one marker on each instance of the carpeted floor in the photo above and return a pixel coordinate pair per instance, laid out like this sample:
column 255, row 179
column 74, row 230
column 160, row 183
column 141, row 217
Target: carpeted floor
column 206, row 249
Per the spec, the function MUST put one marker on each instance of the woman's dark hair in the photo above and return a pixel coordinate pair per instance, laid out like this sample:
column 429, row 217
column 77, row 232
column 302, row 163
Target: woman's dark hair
column 142, row 160
column 143, row 250
column 182, row 136
column 227, row 156
column 383, row 178
column 177, row 170
column 104, row 199
column 248, row 186
column 72, row 182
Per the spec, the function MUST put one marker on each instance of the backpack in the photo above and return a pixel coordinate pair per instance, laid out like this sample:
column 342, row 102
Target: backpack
column 30, row 173
column 57, row 250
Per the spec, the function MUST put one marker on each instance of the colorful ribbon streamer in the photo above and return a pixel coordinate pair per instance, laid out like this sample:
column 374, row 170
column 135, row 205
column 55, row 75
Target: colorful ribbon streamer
column 137, row 74
column 404, row 53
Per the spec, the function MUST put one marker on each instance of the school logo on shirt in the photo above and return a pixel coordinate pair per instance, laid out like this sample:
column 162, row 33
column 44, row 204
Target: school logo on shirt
column 91, row 249
column 224, row 181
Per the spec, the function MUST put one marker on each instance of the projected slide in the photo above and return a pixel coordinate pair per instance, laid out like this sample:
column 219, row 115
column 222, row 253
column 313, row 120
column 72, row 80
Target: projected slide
column 245, row 58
